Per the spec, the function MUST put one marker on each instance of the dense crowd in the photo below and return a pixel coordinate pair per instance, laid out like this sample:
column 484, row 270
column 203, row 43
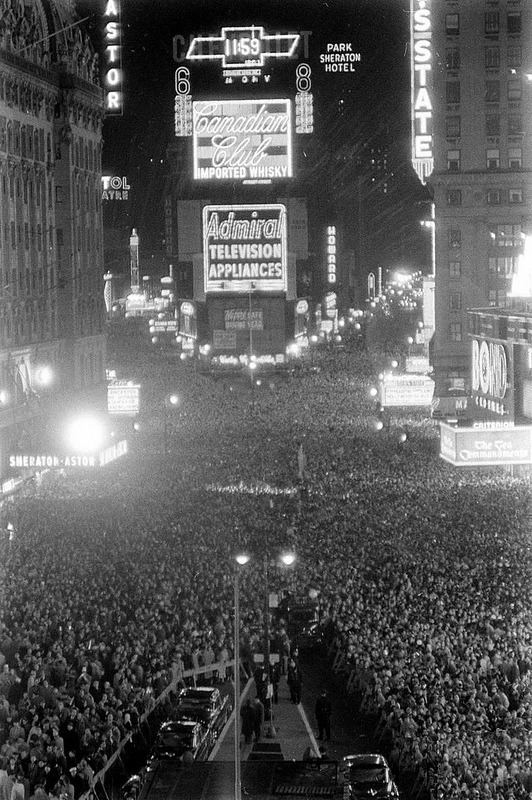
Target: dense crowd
column 115, row 581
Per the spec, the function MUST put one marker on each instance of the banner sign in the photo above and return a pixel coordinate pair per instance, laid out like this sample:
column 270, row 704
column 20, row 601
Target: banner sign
column 466, row 447
column 41, row 461
column 243, row 319
column 247, row 140
column 245, row 248
column 406, row 390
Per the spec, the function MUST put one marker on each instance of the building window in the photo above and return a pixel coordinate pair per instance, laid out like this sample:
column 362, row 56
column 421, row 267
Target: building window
column 455, row 330
column 514, row 22
column 493, row 159
column 493, row 125
column 452, row 127
column 493, row 91
column 455, row 301
column 515, row 55
column 508, row 235
column 516, row 195
column 492, row 297
column 491, row 22
column 453, row 160
column 452, row 24
column 454, row 236
column 452, row 58
column 454, row 197
column 452, row 92
column 493, row 197
column 492, row 57
column 455, row 269
column 514, row 90
column 515, row 125
column 515, row 158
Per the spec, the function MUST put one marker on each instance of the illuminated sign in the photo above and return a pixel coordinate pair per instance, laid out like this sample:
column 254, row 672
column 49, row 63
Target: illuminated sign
column 471, row 447
column 244, row 248
column 330, row 305
column 243, row 319
column 123, row 397
column 339, row 57
column 52, row 461
column 247, row 140
column 115, row 188
column 182, row 103
column 489, row 376
column 406, row 390
column 113, row 78
column 187, row 309
column 331, row 254
column 421, row 86
column 304, row 100
column 243, row 47
column 302, row 307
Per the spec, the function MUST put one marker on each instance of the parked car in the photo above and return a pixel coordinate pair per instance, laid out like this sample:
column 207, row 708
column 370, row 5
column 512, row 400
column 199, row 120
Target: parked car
column 204, row 704
column 178, row 736
column 367, row 775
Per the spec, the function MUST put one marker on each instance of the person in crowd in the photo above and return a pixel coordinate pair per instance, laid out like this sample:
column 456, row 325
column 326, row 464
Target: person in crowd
column 247, row 715
column 294, row 681
column 323, row 711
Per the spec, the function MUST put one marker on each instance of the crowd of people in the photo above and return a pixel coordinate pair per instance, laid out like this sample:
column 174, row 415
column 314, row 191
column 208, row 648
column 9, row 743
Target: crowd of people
column 115, row 581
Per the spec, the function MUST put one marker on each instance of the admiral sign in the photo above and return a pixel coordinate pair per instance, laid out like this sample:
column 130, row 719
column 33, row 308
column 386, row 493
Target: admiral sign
column 244, row 248
column 246, row 140
column 466, row 447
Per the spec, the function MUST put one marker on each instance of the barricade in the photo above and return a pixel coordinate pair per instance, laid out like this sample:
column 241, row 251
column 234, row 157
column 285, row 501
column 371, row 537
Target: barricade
column 98, row 781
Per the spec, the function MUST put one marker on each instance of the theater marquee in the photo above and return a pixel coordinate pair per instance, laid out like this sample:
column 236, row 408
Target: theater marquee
column 245, row 140
column 244, row 248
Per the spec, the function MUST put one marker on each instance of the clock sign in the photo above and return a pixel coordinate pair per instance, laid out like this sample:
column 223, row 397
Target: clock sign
column 243, row 47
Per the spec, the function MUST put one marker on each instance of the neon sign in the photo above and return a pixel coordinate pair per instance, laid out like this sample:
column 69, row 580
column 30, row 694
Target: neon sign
column 489, row 376
column 243, row 47
column 248, row 140
column 245, row 248
column 421, row 87
column 115, row 188
column 112, row 80
column 331, row 254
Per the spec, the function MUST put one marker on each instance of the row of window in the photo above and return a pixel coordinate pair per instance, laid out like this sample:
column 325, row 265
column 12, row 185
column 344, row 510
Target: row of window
column 492, row 57
column 492, row 23
column 29, row 142
column 492, row 92
column 493, row 197
column 502, row 235
column 502, row 266
column 514, row 159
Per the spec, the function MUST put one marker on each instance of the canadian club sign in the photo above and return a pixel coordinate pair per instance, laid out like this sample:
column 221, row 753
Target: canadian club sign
column 244, row 248
column 489, row 376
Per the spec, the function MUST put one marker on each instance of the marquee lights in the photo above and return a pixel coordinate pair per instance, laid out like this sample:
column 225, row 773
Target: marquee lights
column 113, row 77
column 421, row 87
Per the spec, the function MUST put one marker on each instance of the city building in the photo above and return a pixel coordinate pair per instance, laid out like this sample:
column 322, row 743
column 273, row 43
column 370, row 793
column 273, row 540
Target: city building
column 52, row 315
column 471, row 66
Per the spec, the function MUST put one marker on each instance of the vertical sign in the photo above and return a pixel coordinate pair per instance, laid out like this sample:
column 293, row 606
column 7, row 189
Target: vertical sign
column 112, row 79
column 331, row 254
column 421, row 87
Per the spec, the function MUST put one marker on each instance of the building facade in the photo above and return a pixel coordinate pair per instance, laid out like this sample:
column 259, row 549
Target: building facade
column 52, row 316
column 472, row 145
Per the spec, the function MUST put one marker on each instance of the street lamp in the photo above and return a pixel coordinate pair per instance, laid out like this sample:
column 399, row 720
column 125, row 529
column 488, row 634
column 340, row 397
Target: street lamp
column 241, row 559
column 170, row 401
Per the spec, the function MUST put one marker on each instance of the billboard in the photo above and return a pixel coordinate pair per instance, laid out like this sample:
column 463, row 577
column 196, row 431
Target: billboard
column 491, row 377
column 244, row 248
column 466, row 447
column 123, row 397
column 245, row 140
column 406, row 390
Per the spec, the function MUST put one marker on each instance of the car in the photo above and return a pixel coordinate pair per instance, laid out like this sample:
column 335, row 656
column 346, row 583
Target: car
column 177, row 736
column 204, row 704
column 367, row 775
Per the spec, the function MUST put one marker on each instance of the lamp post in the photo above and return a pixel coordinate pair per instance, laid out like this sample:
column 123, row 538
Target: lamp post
column 170, row 401
column 241, row 559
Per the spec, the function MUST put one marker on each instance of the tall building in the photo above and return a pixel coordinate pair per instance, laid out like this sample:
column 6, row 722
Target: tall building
column 472, row 145
column 52, row 315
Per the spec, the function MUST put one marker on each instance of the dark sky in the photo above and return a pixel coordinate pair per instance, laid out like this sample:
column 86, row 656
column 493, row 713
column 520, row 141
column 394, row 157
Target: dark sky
column 376, row 96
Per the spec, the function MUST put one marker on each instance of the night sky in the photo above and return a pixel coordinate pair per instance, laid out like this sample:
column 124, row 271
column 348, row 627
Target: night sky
column 370, row 105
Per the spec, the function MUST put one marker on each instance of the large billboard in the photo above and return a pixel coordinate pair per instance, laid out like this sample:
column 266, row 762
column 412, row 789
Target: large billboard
column 244, row 140
column 491, row 377
column 478, row 447
column 244, row 248
column 406, row 390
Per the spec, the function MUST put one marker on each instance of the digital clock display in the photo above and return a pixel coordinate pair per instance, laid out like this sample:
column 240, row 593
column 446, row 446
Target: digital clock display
column 243, row 46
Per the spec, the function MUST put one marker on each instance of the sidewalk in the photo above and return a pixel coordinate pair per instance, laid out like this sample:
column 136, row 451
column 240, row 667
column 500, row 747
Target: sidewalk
column 289, row 730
